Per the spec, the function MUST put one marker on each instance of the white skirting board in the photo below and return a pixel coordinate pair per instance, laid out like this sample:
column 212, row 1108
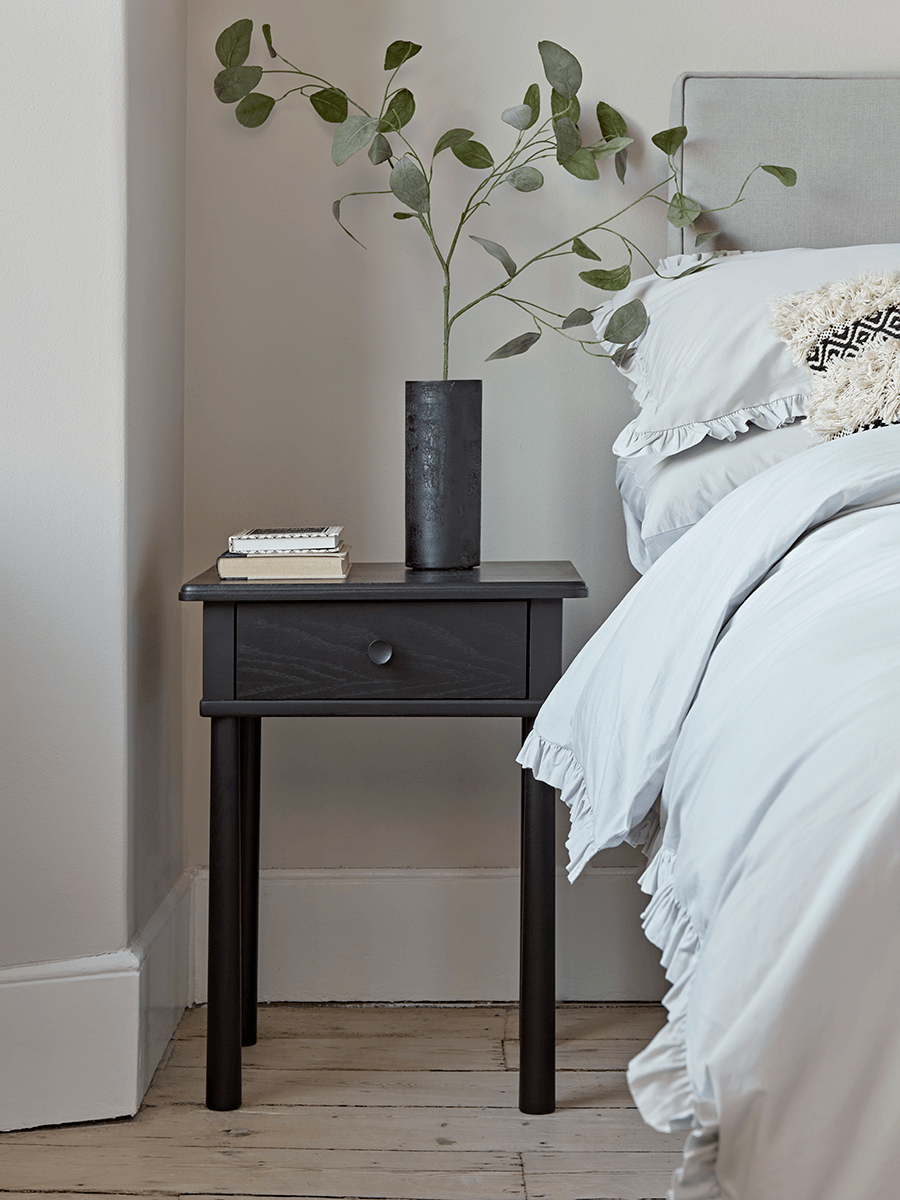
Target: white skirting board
column 436, row 936
column 82, row 1038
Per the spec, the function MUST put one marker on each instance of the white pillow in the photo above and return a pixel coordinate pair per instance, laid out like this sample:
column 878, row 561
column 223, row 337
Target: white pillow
column 709, row 363
column 664, row 495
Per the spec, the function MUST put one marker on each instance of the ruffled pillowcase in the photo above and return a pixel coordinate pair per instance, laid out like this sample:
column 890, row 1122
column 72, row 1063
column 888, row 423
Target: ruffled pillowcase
column 709, row 363
column 847, row 335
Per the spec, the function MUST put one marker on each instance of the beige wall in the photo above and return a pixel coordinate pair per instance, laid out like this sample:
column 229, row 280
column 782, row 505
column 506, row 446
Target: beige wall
column 91, row 478
column 299, row 342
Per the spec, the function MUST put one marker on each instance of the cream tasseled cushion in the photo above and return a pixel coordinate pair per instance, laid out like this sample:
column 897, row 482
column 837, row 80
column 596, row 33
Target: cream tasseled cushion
column 847, row 335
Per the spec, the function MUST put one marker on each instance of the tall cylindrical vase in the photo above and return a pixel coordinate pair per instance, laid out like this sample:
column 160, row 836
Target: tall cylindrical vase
column 443, row 474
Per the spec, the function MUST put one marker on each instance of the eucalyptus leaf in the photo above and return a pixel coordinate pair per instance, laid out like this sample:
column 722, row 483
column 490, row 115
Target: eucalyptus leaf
column 568, row 138
column 330, row 104
column 452, row 137
column 613, row 146
column 533, row 100
column 619, row 357
column 785, row 175
column 612, row 123
column 234, row 83
column 621, row 164
column 254, row 109
column 336, row 213
column 497, row 251
column 517, row 345
column 682, row 211
column 669, row 139
column 626, row 324
column 351, row 135
column 583, row 250
column 397, row 54
column 267, row 34
column 380, row 150
column 706, row 236
column 704, row 266
column 562, row 106
column 519, row 116
column 473, row 154
column 562, row 69
column 233, row 43
column 610, row 281
column 399, row 112
column 582, row 165
column 403, row 216
column 409, row 185
column 577, row 317
column 525, row 179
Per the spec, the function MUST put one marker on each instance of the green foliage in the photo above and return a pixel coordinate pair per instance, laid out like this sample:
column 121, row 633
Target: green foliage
column 451, row 138
column 516, row 345
column 497, row 252
column 410, row 186
column 234, row 83
column 561, row 135
column 785, row 175
column 473, row 154
column 627, row 323
column 233, row 44
column 254, row 109
column 397, row 54
column 525, row 179
column 670, row 139
column 609, row 281
column 331, row 105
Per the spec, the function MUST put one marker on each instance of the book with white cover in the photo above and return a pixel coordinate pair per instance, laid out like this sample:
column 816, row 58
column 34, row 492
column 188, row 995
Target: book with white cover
column 274, row 541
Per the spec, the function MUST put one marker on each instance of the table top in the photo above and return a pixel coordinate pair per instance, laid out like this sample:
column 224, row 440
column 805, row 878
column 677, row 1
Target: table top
column 395, row 581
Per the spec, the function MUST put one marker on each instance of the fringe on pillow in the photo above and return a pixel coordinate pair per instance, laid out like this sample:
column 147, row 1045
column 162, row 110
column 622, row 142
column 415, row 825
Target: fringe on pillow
column 854, row 392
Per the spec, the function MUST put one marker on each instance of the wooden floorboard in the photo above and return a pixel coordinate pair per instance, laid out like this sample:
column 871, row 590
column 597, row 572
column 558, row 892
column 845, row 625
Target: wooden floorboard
column 371, row 1103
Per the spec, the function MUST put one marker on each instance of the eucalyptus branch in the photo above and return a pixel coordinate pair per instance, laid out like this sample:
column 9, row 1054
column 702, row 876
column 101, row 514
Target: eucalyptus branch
column 558, row 136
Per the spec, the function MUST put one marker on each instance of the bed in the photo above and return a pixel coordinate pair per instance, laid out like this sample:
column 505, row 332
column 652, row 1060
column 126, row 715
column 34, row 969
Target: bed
column 737, row 715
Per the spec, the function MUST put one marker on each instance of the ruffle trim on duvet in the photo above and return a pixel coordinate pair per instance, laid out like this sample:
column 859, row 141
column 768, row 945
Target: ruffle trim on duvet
column 561, row 769
column 632, row 441
column 658, row 1076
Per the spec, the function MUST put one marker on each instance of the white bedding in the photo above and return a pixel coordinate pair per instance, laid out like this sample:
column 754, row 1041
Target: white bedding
column 753, row 677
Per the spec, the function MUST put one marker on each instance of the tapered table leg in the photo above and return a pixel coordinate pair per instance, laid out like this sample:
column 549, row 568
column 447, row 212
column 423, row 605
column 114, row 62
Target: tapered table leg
column 223, row 1039
column 537, row 960
column 250, row 731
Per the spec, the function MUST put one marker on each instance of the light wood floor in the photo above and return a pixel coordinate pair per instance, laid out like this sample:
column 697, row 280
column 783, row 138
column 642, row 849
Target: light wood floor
column 361, row 1102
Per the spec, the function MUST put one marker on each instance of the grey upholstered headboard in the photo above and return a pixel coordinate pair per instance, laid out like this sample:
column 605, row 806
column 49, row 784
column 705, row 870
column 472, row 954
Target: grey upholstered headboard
column 840, row 132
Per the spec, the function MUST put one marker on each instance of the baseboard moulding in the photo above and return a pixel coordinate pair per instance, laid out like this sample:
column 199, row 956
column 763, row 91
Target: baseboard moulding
column 83, row 1036
column 435, row 936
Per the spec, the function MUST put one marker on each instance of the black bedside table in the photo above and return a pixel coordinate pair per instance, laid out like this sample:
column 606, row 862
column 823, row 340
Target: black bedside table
column 385, row 642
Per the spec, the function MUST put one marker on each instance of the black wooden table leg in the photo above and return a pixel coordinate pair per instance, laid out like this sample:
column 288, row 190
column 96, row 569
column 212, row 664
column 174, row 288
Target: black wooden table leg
column 537, row 960
column 223, row 1039
column 250, row 763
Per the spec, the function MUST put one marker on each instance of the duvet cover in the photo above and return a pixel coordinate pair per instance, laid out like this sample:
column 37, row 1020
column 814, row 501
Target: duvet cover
column 739, row 716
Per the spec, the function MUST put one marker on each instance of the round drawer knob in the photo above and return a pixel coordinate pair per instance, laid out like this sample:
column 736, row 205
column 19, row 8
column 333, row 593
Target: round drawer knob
column 380, row 651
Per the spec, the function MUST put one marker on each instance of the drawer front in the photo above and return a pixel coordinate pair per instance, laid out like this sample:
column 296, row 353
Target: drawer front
column 440, row 650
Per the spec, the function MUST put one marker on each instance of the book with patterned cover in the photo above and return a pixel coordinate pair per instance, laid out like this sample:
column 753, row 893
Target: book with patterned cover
column 269, row 541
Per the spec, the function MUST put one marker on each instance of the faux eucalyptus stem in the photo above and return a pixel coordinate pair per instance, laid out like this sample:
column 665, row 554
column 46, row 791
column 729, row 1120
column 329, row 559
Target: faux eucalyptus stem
column 410, row 181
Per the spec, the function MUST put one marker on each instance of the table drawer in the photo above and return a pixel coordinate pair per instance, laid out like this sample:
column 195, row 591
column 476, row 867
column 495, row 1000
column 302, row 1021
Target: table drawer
column 430, row 649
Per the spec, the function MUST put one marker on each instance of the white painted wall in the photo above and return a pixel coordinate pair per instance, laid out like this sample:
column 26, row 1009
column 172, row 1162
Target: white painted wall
column 299, row 342
column 91, row 478
column 64, row 847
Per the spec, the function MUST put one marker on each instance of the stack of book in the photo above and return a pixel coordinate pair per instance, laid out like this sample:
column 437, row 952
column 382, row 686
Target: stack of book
column 310, row 552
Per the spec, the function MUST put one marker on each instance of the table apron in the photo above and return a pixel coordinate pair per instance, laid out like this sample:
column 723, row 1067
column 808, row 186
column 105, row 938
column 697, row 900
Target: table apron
column 369, row 708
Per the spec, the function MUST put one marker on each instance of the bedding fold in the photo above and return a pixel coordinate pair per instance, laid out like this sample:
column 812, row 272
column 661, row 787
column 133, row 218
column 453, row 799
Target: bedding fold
column 605, row 734
column 750, row 680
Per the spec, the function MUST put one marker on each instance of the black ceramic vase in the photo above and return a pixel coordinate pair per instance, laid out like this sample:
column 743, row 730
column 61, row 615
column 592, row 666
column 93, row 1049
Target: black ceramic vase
column 443, row 474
